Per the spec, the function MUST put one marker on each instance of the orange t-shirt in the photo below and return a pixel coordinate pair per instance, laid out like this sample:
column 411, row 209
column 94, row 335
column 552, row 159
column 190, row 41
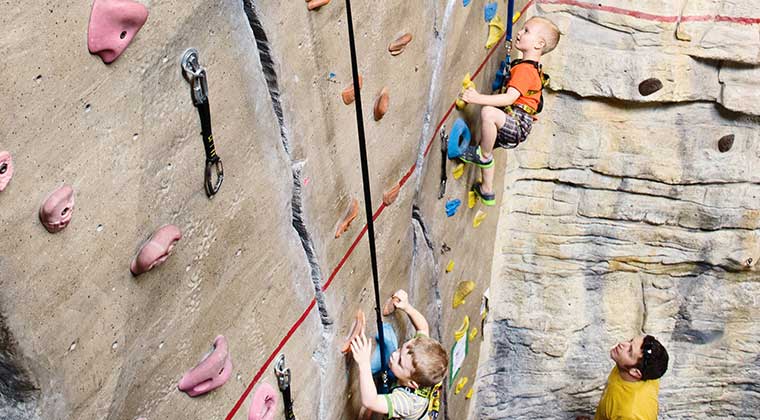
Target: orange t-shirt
column 524, row 77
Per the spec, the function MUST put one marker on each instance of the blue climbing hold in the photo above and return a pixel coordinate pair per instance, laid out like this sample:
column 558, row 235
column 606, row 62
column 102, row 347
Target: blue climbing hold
column 390, row 345
column 490, row 11
column 459, row 139
column 452, row 206
column 465, row 3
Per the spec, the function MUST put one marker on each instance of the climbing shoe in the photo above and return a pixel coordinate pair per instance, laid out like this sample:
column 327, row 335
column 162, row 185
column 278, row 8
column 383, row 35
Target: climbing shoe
column 472, row 155
column 487, row 199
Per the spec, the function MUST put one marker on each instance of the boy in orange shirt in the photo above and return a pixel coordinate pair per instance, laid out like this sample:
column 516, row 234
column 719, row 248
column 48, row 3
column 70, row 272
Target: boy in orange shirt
column 507, row 118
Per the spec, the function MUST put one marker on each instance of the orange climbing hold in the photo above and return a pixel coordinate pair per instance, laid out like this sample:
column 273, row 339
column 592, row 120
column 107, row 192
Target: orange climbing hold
column 316, row 4
column 357, row 329
column 391, row 195
column 351, row 214
column 390, row 305
column 348, row 93
column 397, row 47
column 381, row 104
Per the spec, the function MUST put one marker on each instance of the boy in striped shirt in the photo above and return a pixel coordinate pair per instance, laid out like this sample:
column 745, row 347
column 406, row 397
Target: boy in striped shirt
column 418, row 365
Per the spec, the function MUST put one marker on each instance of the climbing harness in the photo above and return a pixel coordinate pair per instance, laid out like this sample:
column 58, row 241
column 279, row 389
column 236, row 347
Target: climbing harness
column 383, row 374
column 283, row 382
column 444, row 158
column 544, row 82
column 432, row 394
column 196, row 76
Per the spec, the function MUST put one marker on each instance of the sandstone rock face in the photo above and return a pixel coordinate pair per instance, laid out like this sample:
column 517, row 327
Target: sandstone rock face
column 624, row 216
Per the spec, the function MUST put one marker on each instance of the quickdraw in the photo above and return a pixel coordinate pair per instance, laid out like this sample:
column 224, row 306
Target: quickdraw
column 444, row 158
column 196, row 76
column 283, row 382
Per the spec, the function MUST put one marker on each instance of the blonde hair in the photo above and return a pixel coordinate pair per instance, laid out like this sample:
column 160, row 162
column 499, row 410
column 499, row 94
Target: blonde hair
column 429, row 360
column 550, row 33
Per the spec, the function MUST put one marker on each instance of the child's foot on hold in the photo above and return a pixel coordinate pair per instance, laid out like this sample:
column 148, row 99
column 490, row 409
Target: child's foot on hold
column 472, row 155
column 489, row 199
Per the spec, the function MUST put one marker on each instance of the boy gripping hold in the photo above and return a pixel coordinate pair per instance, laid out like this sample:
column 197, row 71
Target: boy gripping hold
column 507, row 118
column 418, row 365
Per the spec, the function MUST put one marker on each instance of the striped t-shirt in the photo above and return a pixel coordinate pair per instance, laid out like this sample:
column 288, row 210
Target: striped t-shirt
column 404, row 404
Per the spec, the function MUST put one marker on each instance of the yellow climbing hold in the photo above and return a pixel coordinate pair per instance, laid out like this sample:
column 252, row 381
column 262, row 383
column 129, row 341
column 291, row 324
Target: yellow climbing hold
column 450, row 266
column 466, row 84
column 462, row 382
column 458, row 170
column 471, row 200
column 469, row 394
column 473, row 333
column 464, row 288
column 495, row 31
column 458, row 334
column 478, row 219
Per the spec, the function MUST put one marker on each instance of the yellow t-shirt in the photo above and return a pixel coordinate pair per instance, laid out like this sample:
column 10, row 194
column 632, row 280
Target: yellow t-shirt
column 623, row 400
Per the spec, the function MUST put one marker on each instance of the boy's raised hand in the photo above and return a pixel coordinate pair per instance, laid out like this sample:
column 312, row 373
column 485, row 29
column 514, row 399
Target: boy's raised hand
column 361, row 349
column 401, row 299
column 470, row 95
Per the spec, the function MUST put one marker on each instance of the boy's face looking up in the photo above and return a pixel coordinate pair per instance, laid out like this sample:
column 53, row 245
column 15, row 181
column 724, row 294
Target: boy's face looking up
column 531, row 36
column 402, row 364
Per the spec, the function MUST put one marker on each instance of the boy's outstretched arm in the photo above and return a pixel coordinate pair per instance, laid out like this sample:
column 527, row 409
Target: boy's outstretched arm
column 472, row 96
column 418, row 320
column 361, row 349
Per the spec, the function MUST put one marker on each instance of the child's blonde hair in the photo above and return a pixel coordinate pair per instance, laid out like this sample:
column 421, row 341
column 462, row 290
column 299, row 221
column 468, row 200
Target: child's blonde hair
column 429, row 360
column 550, row 33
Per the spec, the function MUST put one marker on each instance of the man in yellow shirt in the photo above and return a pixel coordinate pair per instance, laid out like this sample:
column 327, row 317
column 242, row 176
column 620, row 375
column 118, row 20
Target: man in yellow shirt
column 633, row 384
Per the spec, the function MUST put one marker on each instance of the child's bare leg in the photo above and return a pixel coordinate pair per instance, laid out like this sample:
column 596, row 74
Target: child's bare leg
column 487, row 185
column 491, row 120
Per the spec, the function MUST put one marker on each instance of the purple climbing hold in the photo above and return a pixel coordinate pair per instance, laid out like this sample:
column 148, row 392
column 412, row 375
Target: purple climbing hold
column 490, row 11
column 55, row 212
column 113, row 24
column 211, row 373
column 6, row 169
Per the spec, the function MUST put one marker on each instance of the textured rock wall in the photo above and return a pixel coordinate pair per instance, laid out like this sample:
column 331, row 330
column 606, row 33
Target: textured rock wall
column 622, row 215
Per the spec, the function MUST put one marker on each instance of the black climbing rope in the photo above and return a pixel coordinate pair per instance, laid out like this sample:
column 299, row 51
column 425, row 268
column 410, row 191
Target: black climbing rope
column 196, row 76
column 383, row 385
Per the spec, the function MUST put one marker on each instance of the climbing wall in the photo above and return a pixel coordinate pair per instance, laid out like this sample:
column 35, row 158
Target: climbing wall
column 632, row 209
column 271, row 262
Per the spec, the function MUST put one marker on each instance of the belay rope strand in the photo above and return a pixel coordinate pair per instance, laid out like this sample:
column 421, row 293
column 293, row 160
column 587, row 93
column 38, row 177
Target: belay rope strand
column 502, row 75
column 383, row 386
column 196, row 76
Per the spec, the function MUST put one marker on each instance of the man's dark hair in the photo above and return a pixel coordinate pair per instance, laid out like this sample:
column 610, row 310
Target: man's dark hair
column 654, row 359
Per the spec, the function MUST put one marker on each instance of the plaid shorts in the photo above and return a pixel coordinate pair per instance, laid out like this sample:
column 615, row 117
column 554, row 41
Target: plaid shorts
column 515, row 130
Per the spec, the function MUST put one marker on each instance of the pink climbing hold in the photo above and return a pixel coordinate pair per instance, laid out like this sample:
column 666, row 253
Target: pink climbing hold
column 6, row 169
column 113, row 24
column 211, row 373
column 156, row 249
column 264, row 403
column 56, row 210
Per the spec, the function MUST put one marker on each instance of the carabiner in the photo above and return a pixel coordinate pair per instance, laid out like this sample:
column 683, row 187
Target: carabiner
column 282, row 373
column 213, row 187
column 195, row 75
